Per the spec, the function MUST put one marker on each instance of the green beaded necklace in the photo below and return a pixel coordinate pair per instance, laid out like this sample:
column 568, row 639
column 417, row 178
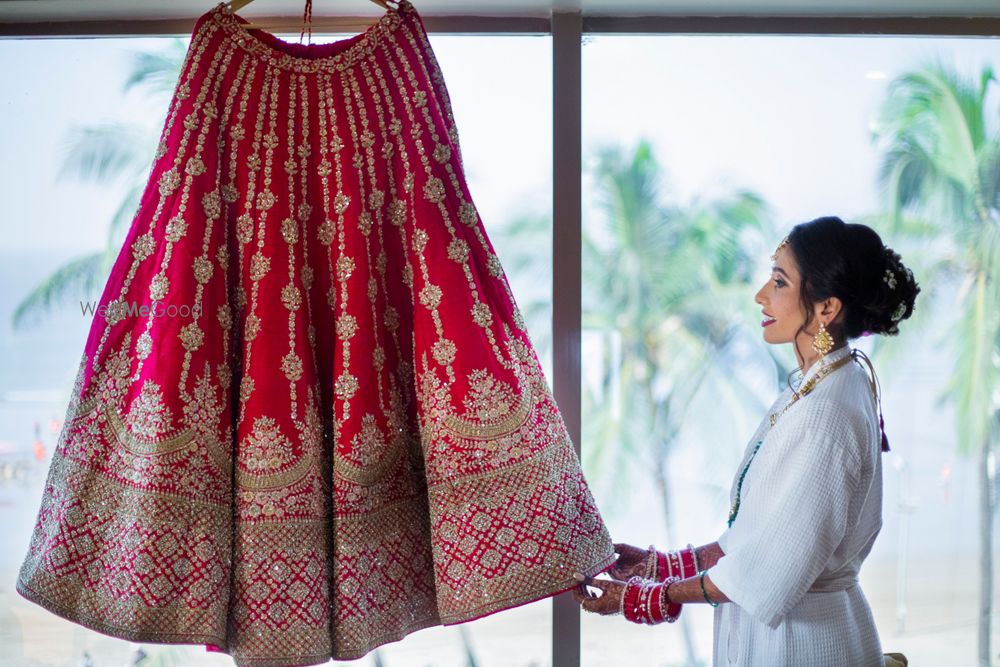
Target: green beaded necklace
column 739, row 485
column 806, row 388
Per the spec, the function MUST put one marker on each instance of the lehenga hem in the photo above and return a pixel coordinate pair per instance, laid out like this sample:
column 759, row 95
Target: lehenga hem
column 497, row 607
column 95, row 624
column 201, row 640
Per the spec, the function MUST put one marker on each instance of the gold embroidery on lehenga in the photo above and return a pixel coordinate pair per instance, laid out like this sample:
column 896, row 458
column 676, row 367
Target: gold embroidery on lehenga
column 390, row 131
column 148, row 428
column 347, row 384
column 493, row 408
column 203, row 417
column 267, row 460
column 161, row 284
column 137, row 444
column 369, row 41
column 366, row 469
column 266, row 102
column 192, row 62
column 454, row 490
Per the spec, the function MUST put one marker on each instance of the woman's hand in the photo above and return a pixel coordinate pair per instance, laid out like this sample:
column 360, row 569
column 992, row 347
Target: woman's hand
column 631, row 562
column 608, row 603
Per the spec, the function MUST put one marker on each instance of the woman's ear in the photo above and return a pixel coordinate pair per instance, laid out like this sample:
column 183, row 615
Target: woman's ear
column 830, row 309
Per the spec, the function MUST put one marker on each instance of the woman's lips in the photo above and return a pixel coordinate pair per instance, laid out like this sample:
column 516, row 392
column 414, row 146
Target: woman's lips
column 767, row 321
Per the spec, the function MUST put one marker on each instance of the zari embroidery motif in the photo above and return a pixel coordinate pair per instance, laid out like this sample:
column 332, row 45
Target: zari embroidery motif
column 342, row 433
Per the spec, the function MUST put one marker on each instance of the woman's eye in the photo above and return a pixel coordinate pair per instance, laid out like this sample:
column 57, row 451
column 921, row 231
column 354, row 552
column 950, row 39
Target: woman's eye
column 778, row 282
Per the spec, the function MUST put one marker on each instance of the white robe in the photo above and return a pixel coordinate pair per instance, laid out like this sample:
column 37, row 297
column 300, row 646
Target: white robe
column 811, row 507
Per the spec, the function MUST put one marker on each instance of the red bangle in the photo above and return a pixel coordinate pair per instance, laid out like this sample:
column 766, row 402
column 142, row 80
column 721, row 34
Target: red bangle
column 675, row 564
column 630, row 598
column 679, row 563
column 643, row 601
column 673, row 608
column 651, row 593
column 687, row 564
column 662, row 566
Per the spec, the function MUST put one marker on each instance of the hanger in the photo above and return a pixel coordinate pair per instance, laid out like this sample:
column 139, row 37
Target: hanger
column 235, row 5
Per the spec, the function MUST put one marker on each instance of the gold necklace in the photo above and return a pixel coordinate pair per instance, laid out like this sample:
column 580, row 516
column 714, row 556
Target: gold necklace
column 811, row 384
column 806, row 388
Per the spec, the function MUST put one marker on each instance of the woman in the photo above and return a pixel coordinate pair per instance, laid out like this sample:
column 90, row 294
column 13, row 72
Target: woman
column 807, row 497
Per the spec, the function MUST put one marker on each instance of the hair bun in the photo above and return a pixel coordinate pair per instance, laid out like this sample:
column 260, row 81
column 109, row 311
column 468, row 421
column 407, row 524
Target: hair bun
column 850, row 262
column 894, row 298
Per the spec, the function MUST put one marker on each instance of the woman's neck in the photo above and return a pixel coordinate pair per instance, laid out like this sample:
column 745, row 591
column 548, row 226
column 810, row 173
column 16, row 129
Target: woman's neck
column 810, row 356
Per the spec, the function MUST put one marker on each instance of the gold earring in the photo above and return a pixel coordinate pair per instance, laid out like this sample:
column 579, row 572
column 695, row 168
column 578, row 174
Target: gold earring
column 822, row 342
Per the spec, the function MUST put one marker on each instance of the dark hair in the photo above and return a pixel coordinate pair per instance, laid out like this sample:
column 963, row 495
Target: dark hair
column 850, row 262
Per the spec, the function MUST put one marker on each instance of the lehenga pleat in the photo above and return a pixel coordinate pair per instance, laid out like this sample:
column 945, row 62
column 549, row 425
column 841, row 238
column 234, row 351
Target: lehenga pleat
column 309, row 419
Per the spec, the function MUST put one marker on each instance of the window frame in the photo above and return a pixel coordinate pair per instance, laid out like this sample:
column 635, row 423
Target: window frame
column 567, row 30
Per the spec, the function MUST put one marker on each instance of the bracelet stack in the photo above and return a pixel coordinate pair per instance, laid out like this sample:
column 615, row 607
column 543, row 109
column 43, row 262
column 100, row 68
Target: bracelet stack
column 647, row 602
column 681, row 564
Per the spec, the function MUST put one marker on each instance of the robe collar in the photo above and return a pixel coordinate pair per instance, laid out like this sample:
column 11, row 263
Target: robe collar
column 826, row 360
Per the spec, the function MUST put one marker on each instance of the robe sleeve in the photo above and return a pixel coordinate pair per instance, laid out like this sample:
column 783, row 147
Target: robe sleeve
column 792, row 516
column 723, row 541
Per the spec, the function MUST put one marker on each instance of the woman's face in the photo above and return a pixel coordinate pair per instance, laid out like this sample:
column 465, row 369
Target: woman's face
column 779, row 299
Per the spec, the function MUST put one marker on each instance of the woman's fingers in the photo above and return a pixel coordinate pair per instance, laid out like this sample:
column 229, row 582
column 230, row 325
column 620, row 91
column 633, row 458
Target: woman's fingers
column 603, row 605
column 581, row 594
column 609, row 601
column 630, row 556
column 631, row 561
column 625, row 573
column 628, row 551
column 605, row 585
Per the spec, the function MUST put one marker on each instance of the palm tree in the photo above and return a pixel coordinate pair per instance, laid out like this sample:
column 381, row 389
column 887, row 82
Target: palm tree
column 106, row 154
column 665, row 288
column 524, row 244
column 941, row 165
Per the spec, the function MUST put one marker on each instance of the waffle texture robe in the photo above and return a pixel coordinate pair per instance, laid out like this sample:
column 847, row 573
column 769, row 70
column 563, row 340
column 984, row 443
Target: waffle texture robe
column 810, row 510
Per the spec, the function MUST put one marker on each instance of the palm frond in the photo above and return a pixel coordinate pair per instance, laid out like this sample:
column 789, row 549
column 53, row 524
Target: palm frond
column 933, row 123
column 976, row 374
column 104, row 153
column 668, row 282
column 77, row 279
column 157, row 72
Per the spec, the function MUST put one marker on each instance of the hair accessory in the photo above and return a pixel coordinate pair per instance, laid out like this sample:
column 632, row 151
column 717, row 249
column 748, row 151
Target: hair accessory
column 897, row 314
column 889, row 279
column 781, row 245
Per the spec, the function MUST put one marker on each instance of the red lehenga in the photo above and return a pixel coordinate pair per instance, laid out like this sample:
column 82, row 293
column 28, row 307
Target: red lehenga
column 310, row 420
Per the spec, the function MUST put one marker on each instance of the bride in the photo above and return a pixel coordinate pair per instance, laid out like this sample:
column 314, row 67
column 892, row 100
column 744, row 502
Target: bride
column 807, row 497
